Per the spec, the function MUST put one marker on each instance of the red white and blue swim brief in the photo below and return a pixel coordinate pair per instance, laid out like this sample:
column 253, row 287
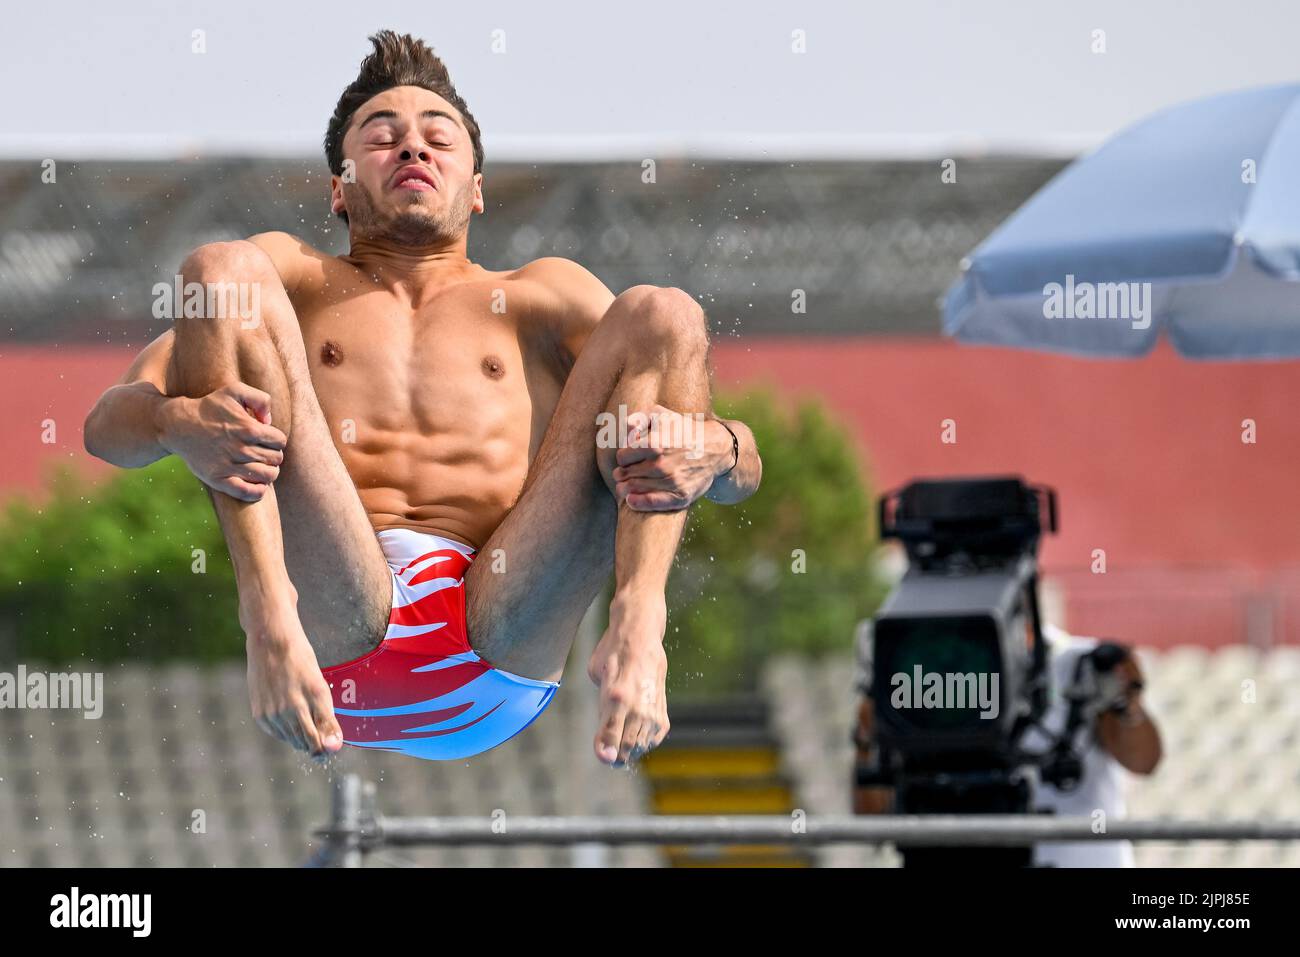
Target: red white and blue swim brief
column 423, row 691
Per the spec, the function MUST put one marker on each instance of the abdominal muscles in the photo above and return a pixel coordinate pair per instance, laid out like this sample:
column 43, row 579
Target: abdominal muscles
column 441, row 483
column 453, row 464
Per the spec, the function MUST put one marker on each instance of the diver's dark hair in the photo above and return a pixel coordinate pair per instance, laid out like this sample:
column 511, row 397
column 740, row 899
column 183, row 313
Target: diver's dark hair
column 397, row 60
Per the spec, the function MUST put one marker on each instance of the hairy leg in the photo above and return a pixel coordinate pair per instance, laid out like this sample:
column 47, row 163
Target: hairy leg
column 309, row 536
column 542, row 567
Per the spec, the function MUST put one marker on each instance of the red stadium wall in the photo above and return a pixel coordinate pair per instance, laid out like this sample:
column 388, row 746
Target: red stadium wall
column 1147, row 458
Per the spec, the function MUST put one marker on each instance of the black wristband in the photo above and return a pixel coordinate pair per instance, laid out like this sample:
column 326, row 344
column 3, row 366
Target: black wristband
column 735, row 447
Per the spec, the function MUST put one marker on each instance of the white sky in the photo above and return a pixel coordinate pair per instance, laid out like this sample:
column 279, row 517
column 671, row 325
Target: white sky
column 86, row 78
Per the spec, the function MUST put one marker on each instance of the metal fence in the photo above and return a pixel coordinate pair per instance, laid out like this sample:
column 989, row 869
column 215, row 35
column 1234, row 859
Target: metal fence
column 356, row 827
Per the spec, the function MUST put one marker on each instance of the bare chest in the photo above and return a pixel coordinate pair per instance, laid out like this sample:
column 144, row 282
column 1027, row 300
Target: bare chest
column 456, row 366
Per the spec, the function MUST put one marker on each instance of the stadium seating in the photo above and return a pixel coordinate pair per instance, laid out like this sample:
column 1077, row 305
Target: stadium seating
column 1230, row 720
column 175, row 772
column 78, row 263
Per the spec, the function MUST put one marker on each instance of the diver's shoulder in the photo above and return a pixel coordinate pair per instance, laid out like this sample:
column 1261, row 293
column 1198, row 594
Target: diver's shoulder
column 568, row 298
column 296, row 260
column 554, row 270
column 276, row 243
column 566, row 283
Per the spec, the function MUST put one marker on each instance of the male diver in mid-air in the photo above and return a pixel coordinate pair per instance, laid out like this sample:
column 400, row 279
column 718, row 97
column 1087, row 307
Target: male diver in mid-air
column 398, row 410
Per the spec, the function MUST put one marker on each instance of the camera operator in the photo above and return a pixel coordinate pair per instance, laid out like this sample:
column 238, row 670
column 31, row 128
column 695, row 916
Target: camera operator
column 1097, row 684
column 1119, row 735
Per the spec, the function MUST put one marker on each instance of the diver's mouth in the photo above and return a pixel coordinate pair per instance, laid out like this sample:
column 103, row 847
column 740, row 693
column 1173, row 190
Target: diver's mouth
column 413, row 177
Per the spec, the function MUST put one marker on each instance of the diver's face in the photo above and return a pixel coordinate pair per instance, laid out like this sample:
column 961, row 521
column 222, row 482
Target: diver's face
column 413, row 165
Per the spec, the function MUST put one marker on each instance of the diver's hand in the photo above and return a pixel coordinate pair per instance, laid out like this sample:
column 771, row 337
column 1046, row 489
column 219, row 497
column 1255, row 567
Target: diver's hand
column 226, row 439
column 670, row 460
column 630, row 668
column 290, row 697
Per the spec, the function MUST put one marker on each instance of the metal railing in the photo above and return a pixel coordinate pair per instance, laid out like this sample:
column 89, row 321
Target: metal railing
column 356, row 827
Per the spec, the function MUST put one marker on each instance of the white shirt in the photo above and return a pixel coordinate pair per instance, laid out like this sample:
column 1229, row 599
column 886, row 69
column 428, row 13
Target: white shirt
column 1104, row 781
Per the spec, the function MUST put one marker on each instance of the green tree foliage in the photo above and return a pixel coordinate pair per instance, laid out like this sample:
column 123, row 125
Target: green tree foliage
column 107, row 571
column 792, row 569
